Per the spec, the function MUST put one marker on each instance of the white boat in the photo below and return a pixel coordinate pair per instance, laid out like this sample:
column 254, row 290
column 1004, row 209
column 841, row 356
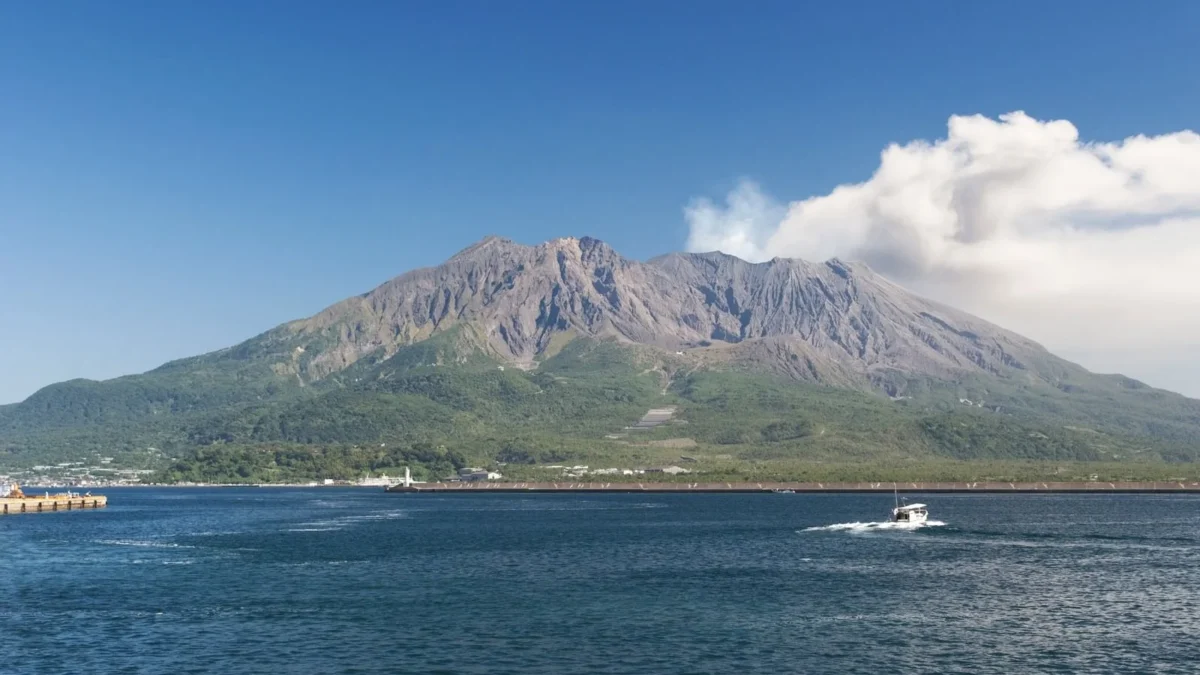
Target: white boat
column 913, row 514
column 909, row 514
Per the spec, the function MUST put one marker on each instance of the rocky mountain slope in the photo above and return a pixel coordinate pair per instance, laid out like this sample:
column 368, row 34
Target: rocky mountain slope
column 830, row 322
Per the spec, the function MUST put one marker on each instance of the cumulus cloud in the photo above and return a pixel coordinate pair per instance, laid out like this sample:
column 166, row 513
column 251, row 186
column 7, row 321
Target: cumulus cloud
column 1092, row 248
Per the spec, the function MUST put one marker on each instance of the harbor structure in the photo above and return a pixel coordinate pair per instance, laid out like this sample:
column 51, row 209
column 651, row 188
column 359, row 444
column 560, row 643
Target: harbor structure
column 13, row 500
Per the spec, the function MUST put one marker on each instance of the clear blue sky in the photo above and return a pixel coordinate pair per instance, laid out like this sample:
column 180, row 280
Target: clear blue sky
column 178, row 176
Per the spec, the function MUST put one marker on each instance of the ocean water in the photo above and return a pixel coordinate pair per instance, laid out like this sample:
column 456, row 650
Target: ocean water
column 324, row 580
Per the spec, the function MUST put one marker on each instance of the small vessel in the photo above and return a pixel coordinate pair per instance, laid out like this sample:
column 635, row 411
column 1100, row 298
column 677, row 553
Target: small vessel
column 784, row 491
column 909, row 514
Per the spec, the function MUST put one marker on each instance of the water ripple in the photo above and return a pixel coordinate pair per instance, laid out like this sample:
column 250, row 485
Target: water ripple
column 327, row 580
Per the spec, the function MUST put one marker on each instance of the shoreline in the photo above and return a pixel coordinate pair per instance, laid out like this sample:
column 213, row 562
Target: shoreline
column 1126, row 487
column 181, row 486
column 717, row 487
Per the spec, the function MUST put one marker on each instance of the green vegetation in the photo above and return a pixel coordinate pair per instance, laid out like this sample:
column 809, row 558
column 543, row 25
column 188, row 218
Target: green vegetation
column 289, row 463
column 439, row 406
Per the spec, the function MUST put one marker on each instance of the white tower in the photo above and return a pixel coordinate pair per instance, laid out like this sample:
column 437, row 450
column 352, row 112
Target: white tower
column 407, row 478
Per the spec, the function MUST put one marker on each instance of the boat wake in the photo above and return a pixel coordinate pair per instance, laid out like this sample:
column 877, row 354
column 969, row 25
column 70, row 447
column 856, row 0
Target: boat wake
column 341, row 523
column 872, row 527
column 141, row 543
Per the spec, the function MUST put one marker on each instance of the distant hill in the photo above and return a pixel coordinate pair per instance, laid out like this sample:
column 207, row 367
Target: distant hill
column 525, row 354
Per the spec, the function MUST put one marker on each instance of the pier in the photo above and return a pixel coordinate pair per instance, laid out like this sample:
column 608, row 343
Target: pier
column 53, row 503
column 15, row 501
column 479, row 487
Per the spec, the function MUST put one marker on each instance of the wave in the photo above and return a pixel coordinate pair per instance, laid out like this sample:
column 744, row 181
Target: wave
column 141, row 543
column 381, row 515
column 333, row 504
column 871, row 527
column 341, row 523
column 536, row 504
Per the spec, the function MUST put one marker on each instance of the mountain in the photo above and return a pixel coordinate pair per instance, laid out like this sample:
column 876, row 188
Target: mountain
column 468, row 351
column 833, row 322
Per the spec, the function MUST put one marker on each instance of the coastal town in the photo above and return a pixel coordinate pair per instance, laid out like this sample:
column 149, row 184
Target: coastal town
column 81, row 474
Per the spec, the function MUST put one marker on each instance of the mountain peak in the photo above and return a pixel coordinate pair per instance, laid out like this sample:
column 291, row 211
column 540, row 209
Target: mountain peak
column 840, row 267
column 587, row 250
column 833, row 320
column 584, row 242
column 485, row 246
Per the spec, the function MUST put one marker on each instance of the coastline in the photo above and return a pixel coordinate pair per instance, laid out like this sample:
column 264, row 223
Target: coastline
column 200, row 485
column 1128, row 487
column 717, row 487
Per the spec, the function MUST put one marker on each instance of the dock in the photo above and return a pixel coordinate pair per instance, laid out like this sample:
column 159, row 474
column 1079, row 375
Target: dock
column 41, row 505
column 1098, row 487
column 15, row 501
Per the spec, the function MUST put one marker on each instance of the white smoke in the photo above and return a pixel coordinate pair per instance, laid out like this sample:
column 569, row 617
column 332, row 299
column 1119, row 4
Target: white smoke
column 1091, row 248
column 740, row 228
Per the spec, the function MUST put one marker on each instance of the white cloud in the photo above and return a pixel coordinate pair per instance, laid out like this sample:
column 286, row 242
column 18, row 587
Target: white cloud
column 1091, row 248
column 739, row 228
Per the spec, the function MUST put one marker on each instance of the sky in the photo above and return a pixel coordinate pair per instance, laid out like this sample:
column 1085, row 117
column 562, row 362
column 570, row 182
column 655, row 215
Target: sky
column 177, row 177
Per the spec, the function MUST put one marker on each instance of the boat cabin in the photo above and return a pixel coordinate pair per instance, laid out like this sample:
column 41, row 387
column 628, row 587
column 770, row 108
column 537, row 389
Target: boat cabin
column 910, row 513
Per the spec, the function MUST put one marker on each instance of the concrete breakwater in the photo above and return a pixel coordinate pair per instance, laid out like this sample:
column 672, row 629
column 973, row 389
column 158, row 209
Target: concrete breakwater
column 864, row 487
column 10, row 506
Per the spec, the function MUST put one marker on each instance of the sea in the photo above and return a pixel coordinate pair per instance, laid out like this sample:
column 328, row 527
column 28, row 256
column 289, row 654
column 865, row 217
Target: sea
column 352, row 580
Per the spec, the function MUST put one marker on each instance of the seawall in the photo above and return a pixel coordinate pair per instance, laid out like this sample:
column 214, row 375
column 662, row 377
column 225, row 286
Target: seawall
column 9, row 506
column 1168, row 487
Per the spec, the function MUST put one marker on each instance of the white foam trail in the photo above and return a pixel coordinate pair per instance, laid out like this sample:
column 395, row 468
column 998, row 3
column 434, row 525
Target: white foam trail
column 141, row 543
column 868, row 527
column 341, row 523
